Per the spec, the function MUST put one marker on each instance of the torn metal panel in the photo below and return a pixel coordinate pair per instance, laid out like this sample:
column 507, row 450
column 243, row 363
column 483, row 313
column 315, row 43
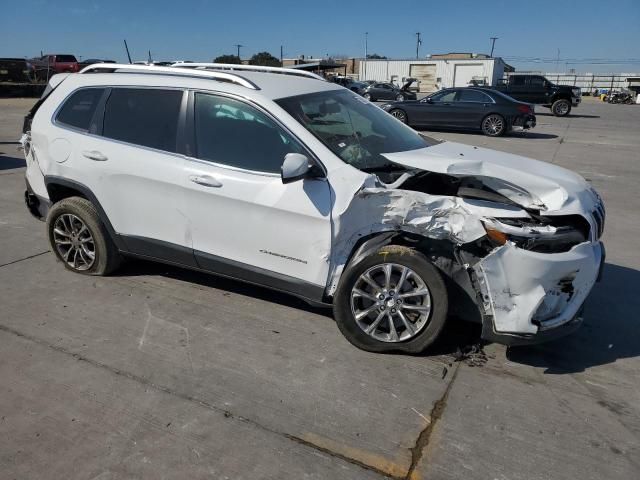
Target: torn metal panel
column 526, row 292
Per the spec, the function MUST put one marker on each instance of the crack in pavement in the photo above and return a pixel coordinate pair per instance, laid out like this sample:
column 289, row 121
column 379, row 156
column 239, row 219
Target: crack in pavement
column 422, row 442
column 416, row 451
column 25, row 258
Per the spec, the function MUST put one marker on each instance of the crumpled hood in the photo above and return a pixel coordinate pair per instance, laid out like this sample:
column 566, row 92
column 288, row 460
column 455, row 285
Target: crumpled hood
column 529, row 183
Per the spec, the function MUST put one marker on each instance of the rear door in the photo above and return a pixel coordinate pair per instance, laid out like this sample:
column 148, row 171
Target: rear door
column 244, row 221
column 471, row 107
column 133, row 168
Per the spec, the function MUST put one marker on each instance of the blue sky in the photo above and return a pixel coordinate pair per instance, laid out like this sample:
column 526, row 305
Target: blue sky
column 203, row 29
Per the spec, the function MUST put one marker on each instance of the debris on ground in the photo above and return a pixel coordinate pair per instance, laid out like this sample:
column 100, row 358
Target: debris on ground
column 472, row 355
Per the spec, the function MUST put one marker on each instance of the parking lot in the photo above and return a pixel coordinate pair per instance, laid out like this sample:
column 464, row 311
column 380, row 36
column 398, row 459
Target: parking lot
column 157, row 372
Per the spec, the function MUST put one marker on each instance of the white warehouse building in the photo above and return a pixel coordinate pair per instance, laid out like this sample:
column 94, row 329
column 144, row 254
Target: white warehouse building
column 437, row 71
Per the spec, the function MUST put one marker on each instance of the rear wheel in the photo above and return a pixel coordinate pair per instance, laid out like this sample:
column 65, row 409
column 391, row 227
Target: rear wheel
column 393, row 300
column 400, row 97
column 367, row 96
column 79, row 239
column 561, row 108
column 494, row 125
column 399, row 114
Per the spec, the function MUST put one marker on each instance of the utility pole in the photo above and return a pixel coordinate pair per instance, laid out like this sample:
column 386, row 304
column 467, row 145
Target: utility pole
column 418, row 43
column 237, row 45
column 366, row 54
column 281, row 57
column 558, row 62
column 493, row 44
column 126, row 47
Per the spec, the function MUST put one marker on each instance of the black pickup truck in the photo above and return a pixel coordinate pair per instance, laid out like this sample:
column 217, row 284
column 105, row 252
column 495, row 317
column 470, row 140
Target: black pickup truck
column 540, row 91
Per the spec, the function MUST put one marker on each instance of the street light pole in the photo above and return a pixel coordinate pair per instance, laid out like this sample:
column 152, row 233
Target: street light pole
column 237, row 45
column 493, row 44
column 366, row 54
column 418, row 43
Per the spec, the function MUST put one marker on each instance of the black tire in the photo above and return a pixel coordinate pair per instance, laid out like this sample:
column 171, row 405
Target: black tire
column 402, row 256
column 494, row 125
column 400, row 115
column 106, row 256
column 561, row 107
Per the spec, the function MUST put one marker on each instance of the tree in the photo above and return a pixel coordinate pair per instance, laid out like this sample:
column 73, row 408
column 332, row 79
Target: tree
column 264, row 59
column 375, row 56
column 227, row 59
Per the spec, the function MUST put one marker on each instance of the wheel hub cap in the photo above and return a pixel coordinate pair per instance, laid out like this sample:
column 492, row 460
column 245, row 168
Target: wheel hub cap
column 391, row 303
column 74, row 242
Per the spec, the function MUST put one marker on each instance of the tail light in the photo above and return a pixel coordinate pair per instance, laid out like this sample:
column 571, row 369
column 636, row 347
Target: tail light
column 524, row 108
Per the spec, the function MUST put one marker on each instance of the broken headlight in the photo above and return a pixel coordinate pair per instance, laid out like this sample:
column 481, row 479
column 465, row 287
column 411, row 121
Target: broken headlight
column 536, row 237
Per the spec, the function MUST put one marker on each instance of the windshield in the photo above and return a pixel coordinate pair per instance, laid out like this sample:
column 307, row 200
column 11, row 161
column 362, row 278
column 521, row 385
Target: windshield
column 353, row 128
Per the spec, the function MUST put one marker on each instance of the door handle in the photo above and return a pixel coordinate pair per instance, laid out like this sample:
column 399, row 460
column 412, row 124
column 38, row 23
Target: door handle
column 94, row 155
column 205, row 180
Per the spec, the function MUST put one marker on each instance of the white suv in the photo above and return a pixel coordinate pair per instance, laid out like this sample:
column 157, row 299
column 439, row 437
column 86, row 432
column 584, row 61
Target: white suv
column 281, row 179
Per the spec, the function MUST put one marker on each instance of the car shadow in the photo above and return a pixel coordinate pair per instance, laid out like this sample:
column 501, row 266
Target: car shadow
column 611, row 330
column 9, row 163
column 571, row 115
column 137, row 267
column 514, row 134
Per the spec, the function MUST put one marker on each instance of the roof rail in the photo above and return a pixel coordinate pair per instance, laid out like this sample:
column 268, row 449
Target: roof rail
column 250, row 68
column 151, row 69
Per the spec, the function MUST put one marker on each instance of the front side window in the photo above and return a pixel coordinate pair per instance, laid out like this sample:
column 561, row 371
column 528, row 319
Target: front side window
column 143, row 116
column 536, row 82
column 79, row 108
column 446, row 96
column 236, row 134
column 357, row 131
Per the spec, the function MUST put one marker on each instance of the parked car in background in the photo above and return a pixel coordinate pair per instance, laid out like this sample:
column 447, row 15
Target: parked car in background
column 538, row 90
column 92, row 61
column 389, row 91
column 50, row 64
column 350, row 83
column 16, row 70
column 471, row 108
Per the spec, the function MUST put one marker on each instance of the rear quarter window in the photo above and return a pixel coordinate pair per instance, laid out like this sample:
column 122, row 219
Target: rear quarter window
column 66, row 58
column 79, row 108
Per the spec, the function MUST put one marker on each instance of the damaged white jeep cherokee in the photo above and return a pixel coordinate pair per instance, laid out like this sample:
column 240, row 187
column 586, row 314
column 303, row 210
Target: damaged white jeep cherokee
column 278, row 178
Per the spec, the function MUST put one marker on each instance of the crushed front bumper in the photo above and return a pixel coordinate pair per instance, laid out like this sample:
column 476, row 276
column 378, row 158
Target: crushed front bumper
column 530, row 297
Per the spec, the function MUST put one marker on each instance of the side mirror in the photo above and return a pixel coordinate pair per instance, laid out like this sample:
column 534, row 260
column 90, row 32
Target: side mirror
column 295, row 167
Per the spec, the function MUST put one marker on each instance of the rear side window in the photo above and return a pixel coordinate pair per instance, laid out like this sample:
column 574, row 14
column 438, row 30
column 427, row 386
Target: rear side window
column 518, row 81
column 79, row 108
column 65, row 58
column 147, row 117
column 473, row 96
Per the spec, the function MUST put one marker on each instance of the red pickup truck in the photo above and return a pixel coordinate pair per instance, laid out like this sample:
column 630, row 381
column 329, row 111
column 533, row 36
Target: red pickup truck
column 49, row 64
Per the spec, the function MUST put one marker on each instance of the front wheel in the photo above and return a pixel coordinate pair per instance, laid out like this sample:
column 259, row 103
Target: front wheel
column 399, row 114
column 494, row 125
column 393, row 300
column 561, row 108
column 400, row 98
column 367, row 96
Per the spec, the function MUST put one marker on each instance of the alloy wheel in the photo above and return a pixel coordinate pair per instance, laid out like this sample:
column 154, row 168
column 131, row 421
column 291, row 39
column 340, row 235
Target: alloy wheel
column 74, row 242
column 493, row 125
column 391, row 302
column 400, row 115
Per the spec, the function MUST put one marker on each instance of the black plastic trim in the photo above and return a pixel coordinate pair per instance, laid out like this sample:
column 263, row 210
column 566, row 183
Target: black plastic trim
column 259, row 276
column 159, row 249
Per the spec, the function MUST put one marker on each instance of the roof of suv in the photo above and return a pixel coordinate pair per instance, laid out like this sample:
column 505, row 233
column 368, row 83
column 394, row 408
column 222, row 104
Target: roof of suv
column 269, row 85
